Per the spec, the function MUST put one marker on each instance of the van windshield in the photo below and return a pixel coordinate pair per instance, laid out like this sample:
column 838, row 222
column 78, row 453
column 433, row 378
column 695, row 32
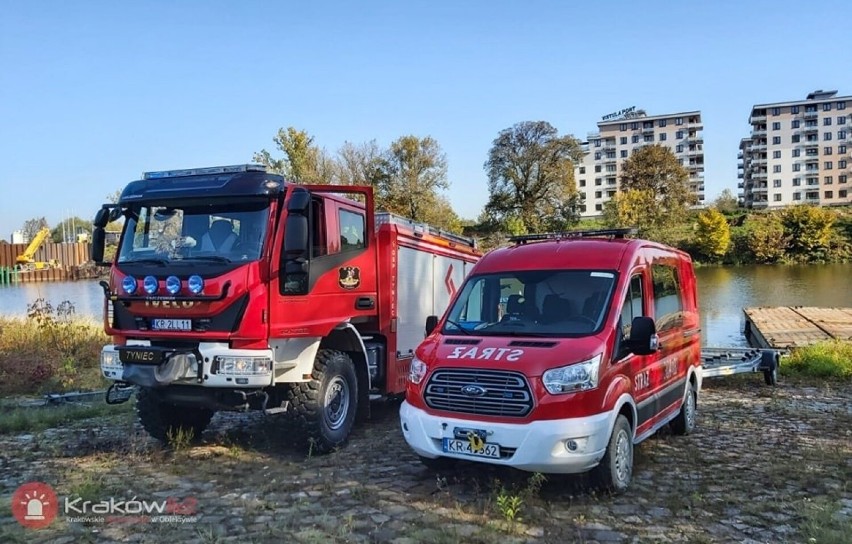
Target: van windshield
column 532, row 303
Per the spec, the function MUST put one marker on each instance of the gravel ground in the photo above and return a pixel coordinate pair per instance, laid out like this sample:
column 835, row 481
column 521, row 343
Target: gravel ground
column 765, row 465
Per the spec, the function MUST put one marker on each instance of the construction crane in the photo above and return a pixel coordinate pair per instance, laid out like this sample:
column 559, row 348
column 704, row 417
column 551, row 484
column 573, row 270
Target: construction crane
column 25, row 261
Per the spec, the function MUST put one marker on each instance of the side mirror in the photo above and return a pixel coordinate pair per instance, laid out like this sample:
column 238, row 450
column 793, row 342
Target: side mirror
column 101, row 218
column 294, row 264
column 98, row 243
column 643, row 336
column 431, row 323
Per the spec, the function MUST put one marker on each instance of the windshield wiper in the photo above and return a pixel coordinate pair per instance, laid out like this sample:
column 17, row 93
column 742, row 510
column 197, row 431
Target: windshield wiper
column 214, row 258
column 459, row 327
column 149, row 260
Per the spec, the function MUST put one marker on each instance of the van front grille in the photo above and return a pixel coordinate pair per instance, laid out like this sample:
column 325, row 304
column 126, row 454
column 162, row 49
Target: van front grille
column 483, row 392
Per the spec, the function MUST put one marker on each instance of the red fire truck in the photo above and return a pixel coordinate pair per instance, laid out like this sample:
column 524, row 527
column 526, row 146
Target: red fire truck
column 558, row 355
column 232, row 289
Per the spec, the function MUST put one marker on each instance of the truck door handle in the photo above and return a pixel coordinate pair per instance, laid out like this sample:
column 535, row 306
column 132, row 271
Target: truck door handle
column 365, row 303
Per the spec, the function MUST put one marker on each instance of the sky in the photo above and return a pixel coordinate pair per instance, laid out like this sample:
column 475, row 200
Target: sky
column 93, row 93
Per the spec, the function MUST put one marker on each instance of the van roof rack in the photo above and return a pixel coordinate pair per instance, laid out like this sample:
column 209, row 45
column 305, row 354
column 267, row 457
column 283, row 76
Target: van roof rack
column 566, row 235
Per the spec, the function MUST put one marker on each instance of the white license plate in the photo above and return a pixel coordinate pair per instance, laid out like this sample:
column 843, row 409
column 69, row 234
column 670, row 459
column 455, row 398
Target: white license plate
column 464, row 447
column 171, row 324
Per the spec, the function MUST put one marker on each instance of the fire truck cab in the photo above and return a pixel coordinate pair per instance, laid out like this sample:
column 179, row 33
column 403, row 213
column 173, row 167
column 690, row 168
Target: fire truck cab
column 558, row 355
column 232, row 289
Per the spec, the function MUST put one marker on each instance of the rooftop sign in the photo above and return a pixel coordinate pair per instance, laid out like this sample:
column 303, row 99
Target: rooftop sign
column 619, row 114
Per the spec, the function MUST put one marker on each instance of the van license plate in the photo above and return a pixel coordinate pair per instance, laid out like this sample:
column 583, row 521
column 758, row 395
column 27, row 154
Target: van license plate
column 171, row 324
column 451, row 445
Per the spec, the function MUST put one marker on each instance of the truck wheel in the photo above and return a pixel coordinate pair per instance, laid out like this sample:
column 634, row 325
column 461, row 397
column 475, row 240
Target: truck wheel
column 162, row 419
column 684, row 423
column 325, row 407
column 616, row 468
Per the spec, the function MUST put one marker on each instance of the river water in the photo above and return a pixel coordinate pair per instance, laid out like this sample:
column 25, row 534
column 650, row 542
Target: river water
column 722, row 294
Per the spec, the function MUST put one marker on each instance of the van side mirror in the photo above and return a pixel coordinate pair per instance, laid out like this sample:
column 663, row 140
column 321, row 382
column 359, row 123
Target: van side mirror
column 643, row 336
column 431, row 323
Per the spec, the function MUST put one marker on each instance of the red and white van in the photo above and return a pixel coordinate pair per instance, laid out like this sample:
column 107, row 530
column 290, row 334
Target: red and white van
column 558, row 355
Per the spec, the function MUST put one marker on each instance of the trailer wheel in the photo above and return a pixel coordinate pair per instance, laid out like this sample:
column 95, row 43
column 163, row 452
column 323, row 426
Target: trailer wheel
column 616, row 468
column 325, row 407
column 770, row 363
column 684, row 423
column 163, row 420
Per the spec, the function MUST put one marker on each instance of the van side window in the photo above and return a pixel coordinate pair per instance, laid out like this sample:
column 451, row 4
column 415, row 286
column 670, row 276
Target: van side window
column 667, row 296
column 351, row 230
column 632, row 305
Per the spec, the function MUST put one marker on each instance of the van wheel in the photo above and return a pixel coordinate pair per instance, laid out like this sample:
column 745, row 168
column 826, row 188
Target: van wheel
column 325, row 407
column 163, row 420
column 616, row 468
column 684, row 423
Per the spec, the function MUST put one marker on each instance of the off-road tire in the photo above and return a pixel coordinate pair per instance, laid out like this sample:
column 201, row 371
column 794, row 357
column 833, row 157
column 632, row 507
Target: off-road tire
column 162, row 419
column 684, row 422
column 615, row 470
column 324, row 408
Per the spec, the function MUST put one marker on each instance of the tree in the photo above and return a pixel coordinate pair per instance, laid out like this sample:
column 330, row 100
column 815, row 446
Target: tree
column 765, row 238
column 410, row 175
column 808, row 229
column 726, row 202
column 68, row 230
column 655, row 169
column 114, row 196
column 361, row 164
column 531, row 176
column 714, row 235
column 32, row 226
column 302, row 162
column 631, row 208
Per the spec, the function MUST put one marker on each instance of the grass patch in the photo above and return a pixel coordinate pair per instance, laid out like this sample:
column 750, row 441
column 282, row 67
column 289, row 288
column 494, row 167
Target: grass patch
column 19, row 420
column 823, row 360
column 822, row 523
column 51, row 350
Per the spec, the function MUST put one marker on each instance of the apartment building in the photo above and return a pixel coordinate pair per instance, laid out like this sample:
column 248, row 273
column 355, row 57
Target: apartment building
column 616, row 139
column 798, row 152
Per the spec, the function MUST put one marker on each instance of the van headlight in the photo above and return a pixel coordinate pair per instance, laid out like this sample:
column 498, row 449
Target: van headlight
column 577, row 377
column 417, row 371
column 243, row 366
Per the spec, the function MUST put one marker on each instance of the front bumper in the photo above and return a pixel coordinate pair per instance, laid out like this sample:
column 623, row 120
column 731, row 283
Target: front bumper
column 538, row 446
column 183, row 368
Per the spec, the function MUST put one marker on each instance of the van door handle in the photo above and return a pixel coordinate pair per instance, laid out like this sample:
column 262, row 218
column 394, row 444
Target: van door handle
column 365, row 303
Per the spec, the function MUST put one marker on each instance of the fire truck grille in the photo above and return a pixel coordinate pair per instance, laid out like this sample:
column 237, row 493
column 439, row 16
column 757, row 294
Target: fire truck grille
column 485, row 392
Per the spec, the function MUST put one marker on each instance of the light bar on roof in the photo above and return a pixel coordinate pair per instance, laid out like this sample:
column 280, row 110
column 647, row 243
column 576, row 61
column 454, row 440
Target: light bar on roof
column 205, row 171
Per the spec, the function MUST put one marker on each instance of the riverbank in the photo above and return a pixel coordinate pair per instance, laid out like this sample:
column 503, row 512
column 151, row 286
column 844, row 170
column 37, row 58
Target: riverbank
column 764, row 465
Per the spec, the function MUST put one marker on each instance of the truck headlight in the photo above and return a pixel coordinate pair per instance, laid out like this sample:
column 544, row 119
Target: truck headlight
column 577, row 377
column 243, row 366
column 111, row 366
column 417, row 371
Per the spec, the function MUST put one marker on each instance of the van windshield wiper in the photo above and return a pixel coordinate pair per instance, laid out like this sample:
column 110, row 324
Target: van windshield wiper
column 459, row 327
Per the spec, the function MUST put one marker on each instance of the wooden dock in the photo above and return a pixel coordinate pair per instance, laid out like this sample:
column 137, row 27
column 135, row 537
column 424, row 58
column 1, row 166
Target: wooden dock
column 791, row 326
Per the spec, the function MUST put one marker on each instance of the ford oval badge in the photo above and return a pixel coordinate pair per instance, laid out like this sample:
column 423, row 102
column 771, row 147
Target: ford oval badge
column 473, row 390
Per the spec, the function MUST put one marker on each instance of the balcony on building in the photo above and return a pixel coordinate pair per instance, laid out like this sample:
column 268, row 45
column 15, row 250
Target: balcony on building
column 757, row 116
column 810, row 114
column 740, row 185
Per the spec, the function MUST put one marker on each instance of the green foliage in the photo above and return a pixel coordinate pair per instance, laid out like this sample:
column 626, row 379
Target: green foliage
column 632, row 208
column 713, row 236
column 765, row 239
column 51, row 350
column 809, row 231
column 19, row 420
column 303, row 161
column 726, row 202
column 531, row 176
column 509, row 505
column 68, row 230
column 654, row 170
column 823, row 360
column 180, row 438
column 413, row 170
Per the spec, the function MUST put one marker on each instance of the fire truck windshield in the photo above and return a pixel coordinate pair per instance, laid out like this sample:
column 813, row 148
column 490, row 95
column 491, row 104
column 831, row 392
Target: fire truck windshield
column 532, row 303
column 215, row 231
